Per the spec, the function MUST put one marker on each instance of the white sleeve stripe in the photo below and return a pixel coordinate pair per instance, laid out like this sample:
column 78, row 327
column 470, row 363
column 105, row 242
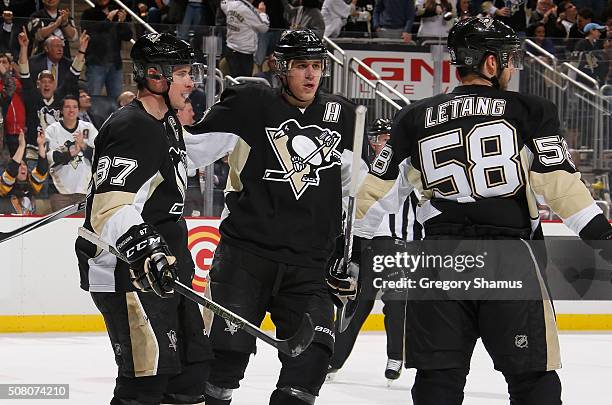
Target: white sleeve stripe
column 206, row 148
column 129, row 215
column 389, row 203
column 580, row 219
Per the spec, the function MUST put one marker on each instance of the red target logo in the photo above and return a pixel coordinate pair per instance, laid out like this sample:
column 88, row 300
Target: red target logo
column 202, row 242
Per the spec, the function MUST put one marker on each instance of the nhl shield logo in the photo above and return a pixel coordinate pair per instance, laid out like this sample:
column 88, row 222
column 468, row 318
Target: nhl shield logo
column 231, row 327
column 521, row 341
column 302, row 153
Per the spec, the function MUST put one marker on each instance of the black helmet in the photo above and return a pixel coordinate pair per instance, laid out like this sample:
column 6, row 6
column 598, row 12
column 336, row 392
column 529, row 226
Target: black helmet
column 162, row 51
column 299, row 44
column 472, row 39
column 380, row 126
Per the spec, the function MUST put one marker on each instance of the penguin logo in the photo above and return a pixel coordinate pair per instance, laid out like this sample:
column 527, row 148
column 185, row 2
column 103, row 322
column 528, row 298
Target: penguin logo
column 302, row 153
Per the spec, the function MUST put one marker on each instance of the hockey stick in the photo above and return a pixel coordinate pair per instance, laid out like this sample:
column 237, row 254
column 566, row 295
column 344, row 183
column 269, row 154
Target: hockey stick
column 291, row 347
column 64, row 212
column 345, row 314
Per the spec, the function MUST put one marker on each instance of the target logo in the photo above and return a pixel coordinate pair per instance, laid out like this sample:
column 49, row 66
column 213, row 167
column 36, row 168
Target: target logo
column 202, row 242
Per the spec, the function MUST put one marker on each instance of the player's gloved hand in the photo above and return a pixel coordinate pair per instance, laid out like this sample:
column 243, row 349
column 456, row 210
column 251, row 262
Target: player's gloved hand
column 298, row 163
column 152, row 267
column 342, row 277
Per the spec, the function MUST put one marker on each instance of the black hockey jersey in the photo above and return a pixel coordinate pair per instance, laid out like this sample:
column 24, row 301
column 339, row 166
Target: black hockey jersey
column 139, row 175
column 289, row 169
column 481, row 158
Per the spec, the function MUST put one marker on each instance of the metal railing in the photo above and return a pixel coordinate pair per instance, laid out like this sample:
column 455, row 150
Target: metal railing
column 584, row 109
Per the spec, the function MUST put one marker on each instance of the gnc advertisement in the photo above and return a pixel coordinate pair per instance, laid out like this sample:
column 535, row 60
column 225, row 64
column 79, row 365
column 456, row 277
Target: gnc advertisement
column 410, row 73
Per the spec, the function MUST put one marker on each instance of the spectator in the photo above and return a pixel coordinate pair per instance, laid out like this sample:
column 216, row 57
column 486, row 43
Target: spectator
column 6, row 32
column 568, row 14
column 437, row 18
column 464, row 9
column 20, row 12
column 85, row 113
column 597, row 6
column 11, row 98
column 537, row 33
column 335, row 13
column 360, row 21
column 106, row 24
column 394, row 18
column 278, row 22
column 151, row 11
column 17, row 185
column 51, row 21
column 546, row 13
column 43, row 101
column 269, row 73
column 71, row 144
column 53, row 60
column 194, row 12
column 244, row 21
column 585, row 16
column 510, row 12
column 125, row 98
column 306, row 16
column 590, row 57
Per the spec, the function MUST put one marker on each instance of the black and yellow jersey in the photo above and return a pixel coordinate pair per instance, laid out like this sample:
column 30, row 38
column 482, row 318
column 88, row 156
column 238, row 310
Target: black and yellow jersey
column 139, row 174
column 481, row 158
column 289, row 171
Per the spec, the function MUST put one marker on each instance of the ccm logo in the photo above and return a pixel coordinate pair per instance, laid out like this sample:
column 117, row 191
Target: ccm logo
column 325, row 330
column 402, row 69
column 141, row 245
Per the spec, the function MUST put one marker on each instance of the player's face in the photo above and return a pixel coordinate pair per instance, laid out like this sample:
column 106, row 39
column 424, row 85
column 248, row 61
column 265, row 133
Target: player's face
column 378, row 142
column 156, row 81
column 70, row 110
column 303, row 77
column 181, row 88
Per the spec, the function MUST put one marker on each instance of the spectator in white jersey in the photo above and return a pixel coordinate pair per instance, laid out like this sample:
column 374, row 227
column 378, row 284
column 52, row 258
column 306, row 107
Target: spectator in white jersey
column 71, row 144
column 244, row 21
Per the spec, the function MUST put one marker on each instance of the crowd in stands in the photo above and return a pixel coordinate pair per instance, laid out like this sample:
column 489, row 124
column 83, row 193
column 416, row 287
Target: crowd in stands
column 60, row 77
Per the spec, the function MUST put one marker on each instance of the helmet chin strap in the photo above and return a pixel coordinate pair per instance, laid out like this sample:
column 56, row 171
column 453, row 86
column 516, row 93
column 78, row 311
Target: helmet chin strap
column 494, row 80
column 164, row 94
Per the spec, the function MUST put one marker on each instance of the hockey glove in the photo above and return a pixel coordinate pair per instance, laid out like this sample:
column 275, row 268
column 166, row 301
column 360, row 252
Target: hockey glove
column 151, row 265
column 342, row 278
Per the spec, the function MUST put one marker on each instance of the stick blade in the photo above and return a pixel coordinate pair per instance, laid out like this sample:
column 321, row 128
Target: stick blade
column 346, row 313
column 300, row 341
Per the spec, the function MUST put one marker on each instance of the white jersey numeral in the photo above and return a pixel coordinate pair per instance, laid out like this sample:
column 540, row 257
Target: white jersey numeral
column 493, row 165
column 553, row 150
column 104, row 165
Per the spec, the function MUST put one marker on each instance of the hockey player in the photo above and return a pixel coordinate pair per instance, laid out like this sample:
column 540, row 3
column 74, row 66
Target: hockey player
column 400, row 225
column 71, row 143
column 480, row 155
column 289, row 167
column 136, row 204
